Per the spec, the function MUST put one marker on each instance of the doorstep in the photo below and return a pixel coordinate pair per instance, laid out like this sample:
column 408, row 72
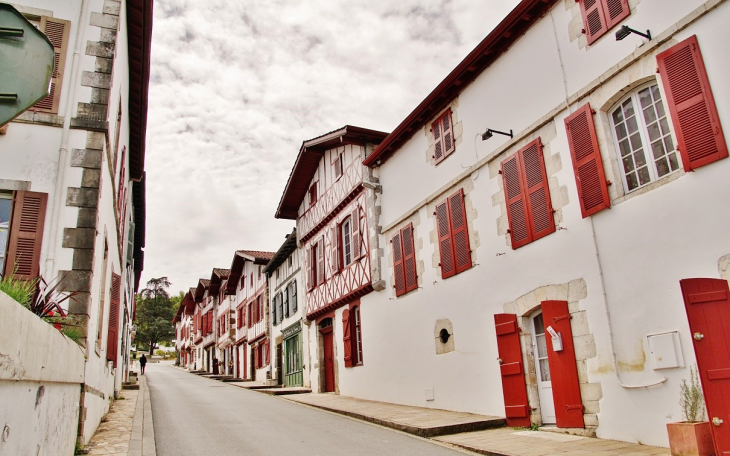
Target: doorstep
column 279, row 391
column 517, row 442
column 424, row 422
column 249, row 385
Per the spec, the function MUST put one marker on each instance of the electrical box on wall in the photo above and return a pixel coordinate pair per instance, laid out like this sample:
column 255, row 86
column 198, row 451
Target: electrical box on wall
column 429, row 394
column 666, row 352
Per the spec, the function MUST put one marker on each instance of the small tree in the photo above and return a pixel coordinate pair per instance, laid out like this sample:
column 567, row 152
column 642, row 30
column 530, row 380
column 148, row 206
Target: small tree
column 690, row 398
column 155, row 311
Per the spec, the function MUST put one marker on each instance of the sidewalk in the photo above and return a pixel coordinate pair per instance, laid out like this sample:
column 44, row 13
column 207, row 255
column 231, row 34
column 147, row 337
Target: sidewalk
column 127, row 429
column 476, row 433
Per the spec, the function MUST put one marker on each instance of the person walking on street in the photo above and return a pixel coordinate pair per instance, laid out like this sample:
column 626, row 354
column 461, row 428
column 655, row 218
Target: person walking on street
column 142, row 363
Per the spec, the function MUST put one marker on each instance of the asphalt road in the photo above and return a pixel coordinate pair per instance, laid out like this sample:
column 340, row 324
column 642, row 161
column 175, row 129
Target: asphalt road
column 199, row 417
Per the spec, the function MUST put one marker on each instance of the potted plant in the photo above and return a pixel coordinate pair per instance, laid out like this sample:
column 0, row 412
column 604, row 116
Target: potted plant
column 693, row 436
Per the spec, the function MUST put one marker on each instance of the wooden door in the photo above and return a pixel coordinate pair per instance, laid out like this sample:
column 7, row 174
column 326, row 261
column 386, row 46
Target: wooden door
column 253, row 364
column 329, row 360
column 279, row 365
column 707, row 302
column 243, row 364
column 516, row 408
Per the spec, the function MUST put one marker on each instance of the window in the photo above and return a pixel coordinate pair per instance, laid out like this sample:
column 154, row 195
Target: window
column 6, row 209
column 443, row 137
column 525, row 183
column 453, row 235
column 57, row 31
column 112, row 338
column 102, row 297
column 22, row 216
column 404, row 261
column 346, row 244
column 313, row 194
column 643, row 139
column 315, row 264
column 352, row 335
column 285, row 303
column 600, row 16
column 290, row 261
column 339, row 165
column 292, row 295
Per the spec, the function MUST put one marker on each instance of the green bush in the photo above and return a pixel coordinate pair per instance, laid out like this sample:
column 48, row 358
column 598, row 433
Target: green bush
column 18, row 289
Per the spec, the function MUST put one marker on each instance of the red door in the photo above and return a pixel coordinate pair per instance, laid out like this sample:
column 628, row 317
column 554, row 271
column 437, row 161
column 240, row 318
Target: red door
column 708, row 310
column 516, row 408
column 329, row 361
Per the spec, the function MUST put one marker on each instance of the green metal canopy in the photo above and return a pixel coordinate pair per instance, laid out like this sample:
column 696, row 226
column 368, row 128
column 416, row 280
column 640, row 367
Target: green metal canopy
column 26, row 64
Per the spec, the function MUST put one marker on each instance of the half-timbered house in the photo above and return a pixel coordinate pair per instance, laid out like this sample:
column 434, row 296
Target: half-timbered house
column 539, row 211
column 288, row 322
column 206, row 358
column 331, row 196
column 183, row 322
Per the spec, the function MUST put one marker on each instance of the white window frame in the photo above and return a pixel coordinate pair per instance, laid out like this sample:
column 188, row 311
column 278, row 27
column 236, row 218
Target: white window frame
column 346, row 236
column 645, row 140
column 358, row 337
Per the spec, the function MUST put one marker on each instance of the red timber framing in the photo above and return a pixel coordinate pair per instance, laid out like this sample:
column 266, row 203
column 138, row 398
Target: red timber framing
column 587, row 162
column 563, row 369
column 514, row 389
column 700, row 139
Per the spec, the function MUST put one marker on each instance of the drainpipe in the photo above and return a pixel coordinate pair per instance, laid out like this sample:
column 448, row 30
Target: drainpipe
column 63, row 151
column 608, row 319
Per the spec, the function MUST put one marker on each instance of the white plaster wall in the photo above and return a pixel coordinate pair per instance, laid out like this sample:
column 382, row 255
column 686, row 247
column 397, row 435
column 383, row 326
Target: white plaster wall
column 40, row 375
column 646, row 243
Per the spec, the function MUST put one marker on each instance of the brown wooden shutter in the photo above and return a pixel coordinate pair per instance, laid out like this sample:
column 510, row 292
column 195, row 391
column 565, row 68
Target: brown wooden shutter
column 615, row 11
column 444, row 234
column 594, row 20
column 438, row 146
column 400, row 284
column 409, row 258
column 520, row 233
column 448, row 133
column 537, row 192
column 587, row 163
column 320, row 261
column 346, row 337
column 355, row 233
column 57, row 31
column 112, row 338
column 26, row 234
column 335, row 248
column 459, row 232
column 700, row 139
column 516, row 408
column 563, row 369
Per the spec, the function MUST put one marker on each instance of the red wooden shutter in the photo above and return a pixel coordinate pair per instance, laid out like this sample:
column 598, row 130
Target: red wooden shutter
column 444, row 234
column 409, row 258
column 320, row 261
column 459, row 232
column 400, row 283
column 537, row 192
column 250, row 314
column 594, row 20
column 346, row 337
column 447, row 133
column 587, row 163
column 113, row 330
column 335, row 248
column 438, row 146
column 355, row 221
column 57, row 31
column 563, row 370
column 26, row 234
column 516, row 408
column 310, row 278
column 519, row 231
column 615, row 11
column 699, row 134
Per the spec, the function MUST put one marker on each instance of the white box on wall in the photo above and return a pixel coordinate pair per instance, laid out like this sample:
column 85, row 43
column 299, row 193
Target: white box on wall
column 665, row 349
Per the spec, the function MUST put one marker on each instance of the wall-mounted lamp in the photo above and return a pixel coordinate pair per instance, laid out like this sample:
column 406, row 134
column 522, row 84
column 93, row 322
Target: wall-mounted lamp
column 625, row 31
column 488, row 134
column 444, row 335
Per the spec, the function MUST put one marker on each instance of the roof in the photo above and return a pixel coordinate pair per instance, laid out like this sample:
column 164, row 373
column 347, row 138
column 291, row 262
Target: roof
column 203, row 284
column 139, row 198
column 286, row 249
column 506, row 33
column 239, row 259
column 139, row 39
column 187, row 305
column 307, row 162
column 218, row 275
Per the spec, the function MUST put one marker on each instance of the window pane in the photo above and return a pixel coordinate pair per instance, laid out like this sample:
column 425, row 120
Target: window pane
column 635, row 141
column 625, row 147
column 539, row 325
column 645, row 98
column 644, row 177
column 631, row 125
column 620, row 131
column 673, row 161
column 656, row 94
column 618, row 116
column 639, row 158
column 668, row 143
column 665, row 126
column 649, row 115
column 544, row 370
column 658, row 149
column 653, row 130
column 628, row 108
column 662, row 167
column 628, row 164
column 631, row 181
column 541, row 346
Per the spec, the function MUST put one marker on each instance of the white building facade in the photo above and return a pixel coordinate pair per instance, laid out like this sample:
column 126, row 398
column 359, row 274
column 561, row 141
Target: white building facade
column 72, row 180
column 612, row 188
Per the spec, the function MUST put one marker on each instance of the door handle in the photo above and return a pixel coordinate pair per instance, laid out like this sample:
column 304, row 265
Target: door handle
column 698, row 336
column 717, row 421
column 500, row 360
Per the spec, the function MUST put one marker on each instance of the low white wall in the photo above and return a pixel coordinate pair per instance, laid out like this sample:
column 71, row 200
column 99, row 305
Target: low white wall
column 41, row 372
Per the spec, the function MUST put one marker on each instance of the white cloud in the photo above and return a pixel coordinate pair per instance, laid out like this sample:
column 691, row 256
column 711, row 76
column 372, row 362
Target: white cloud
column 237, row 86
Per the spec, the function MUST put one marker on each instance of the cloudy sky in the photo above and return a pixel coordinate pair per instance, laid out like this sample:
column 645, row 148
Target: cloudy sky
column 236, row 86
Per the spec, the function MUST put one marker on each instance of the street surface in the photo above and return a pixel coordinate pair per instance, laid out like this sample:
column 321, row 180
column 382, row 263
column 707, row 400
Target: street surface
column 197, row 416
